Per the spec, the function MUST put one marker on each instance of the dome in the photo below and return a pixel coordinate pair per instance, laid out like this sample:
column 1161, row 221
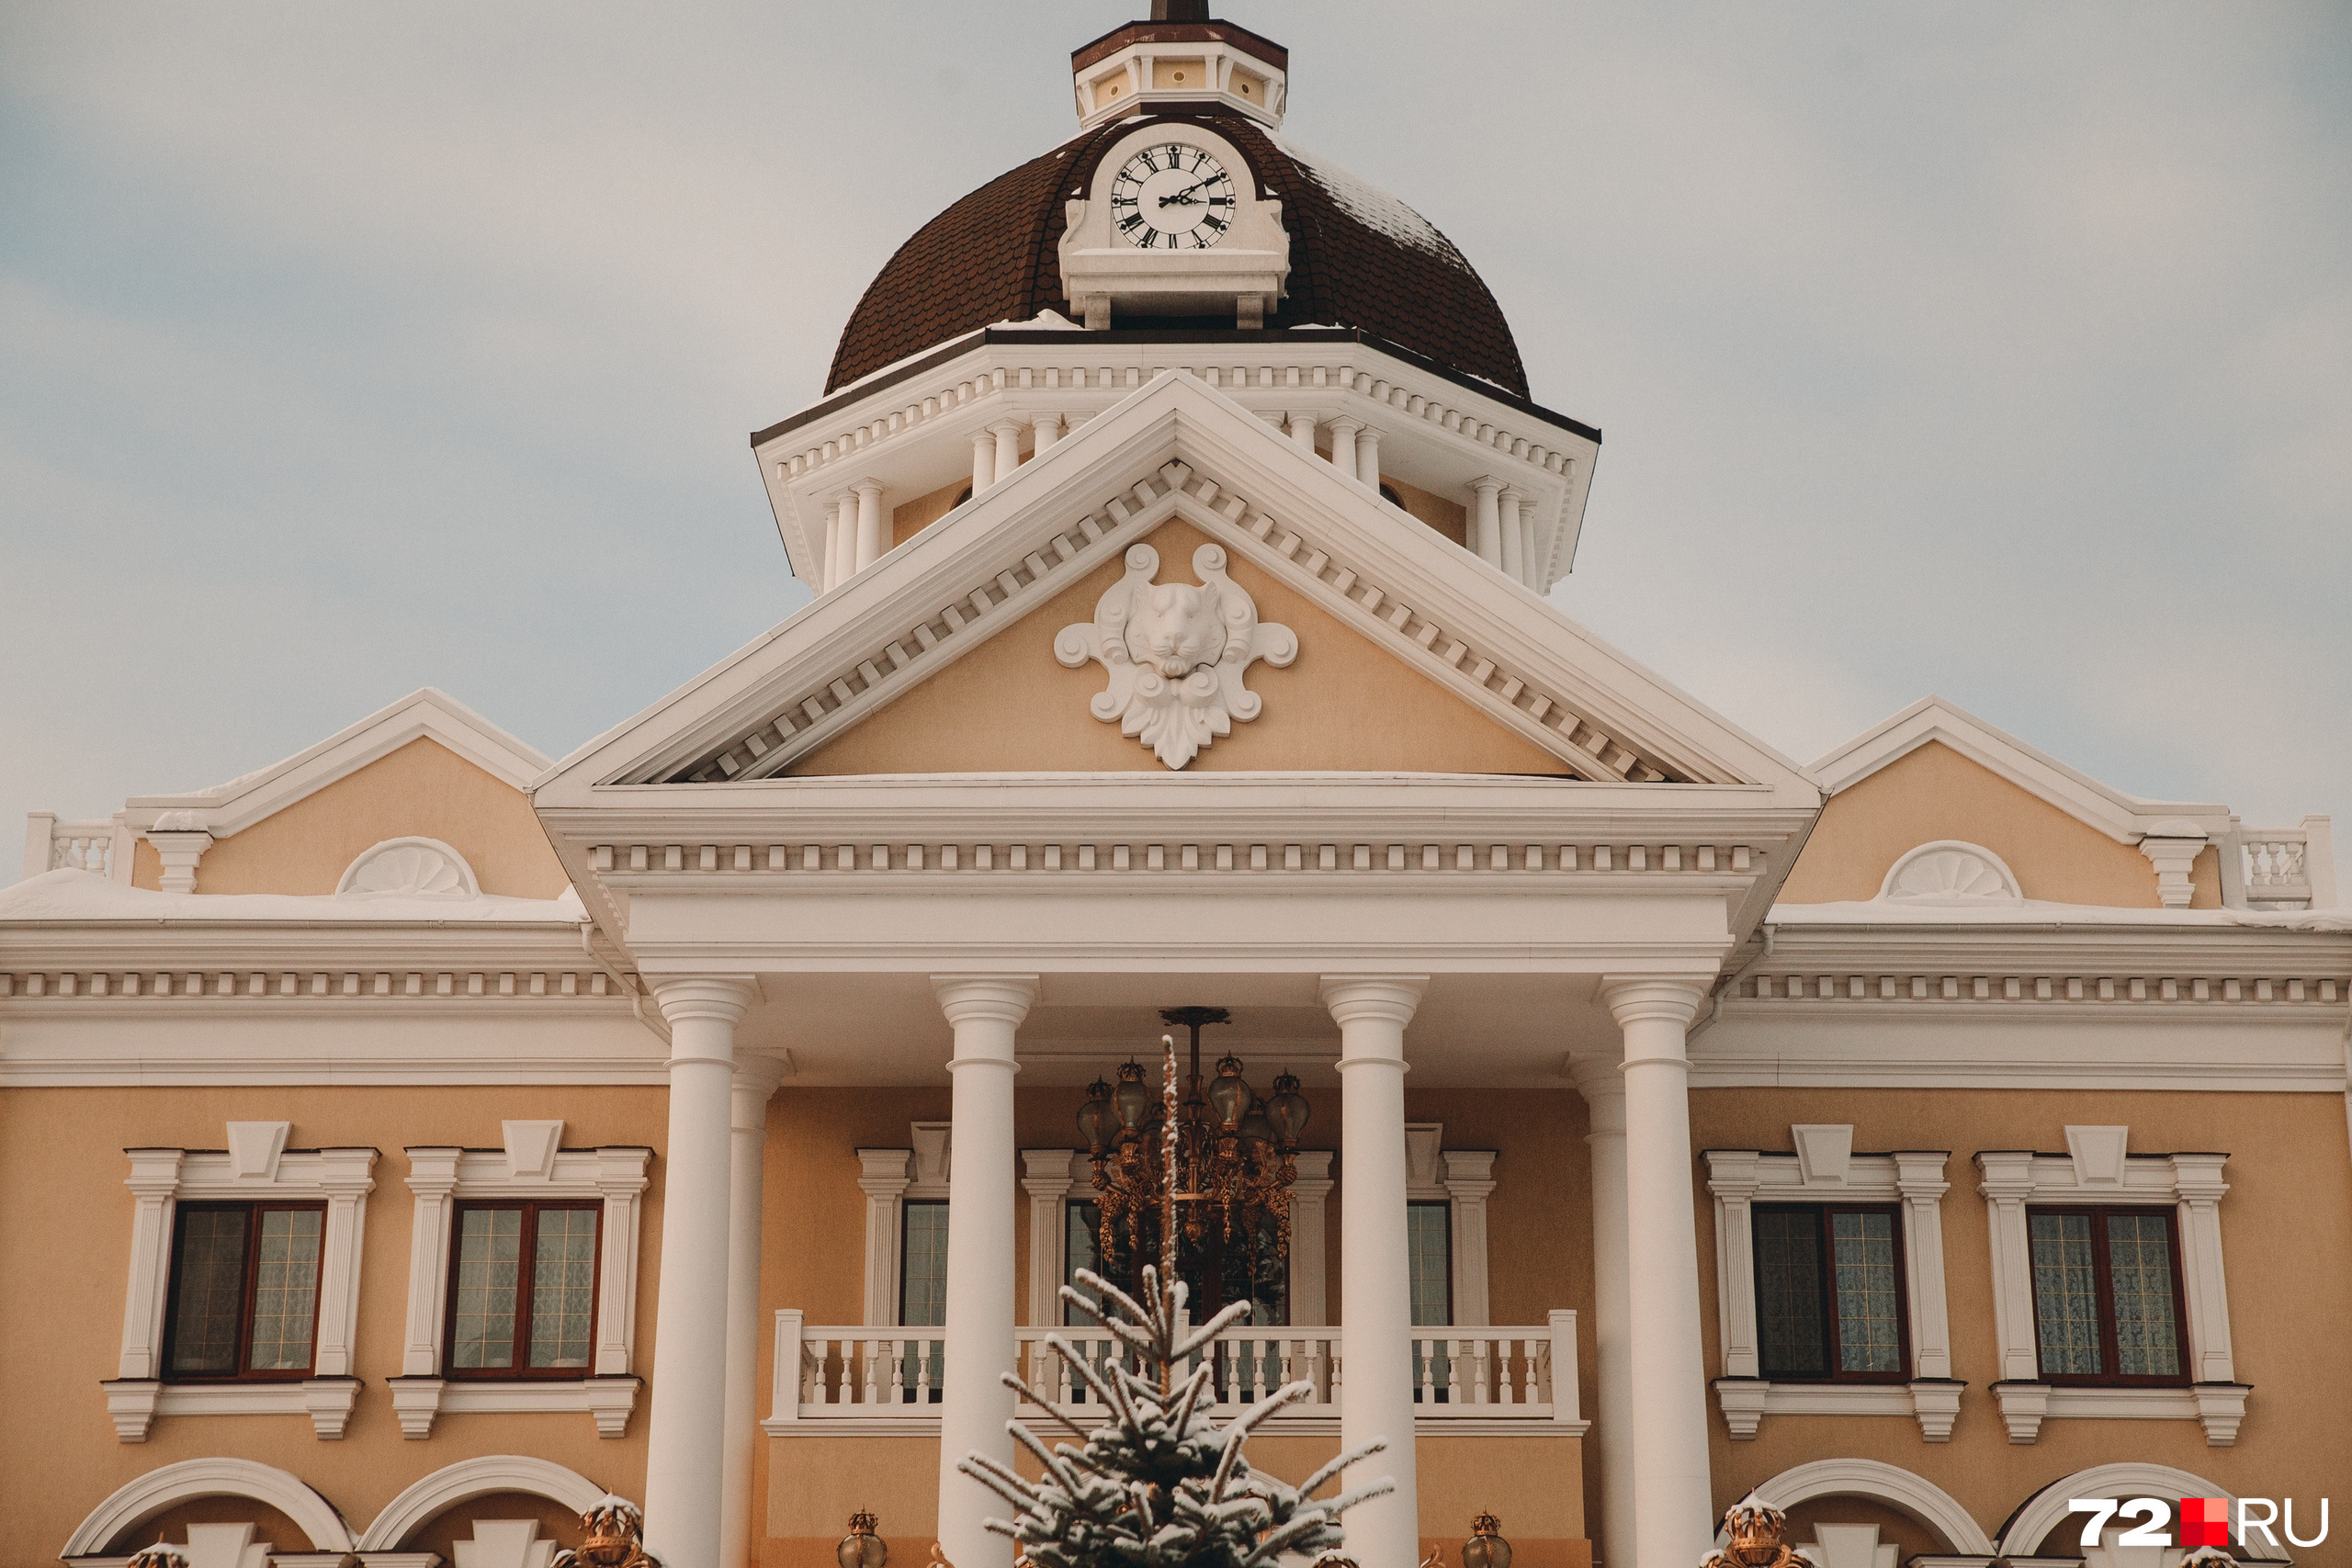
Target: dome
column 1359, row 258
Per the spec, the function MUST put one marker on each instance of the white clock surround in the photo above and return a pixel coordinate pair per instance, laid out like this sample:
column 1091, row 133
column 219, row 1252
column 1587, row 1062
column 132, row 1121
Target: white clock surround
column 1242, row 275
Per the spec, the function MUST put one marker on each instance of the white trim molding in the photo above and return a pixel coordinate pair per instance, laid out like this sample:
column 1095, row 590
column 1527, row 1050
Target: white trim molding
column 1913, row 1495
column 2097, row 1169
column 531, row 1164
column 1824, row 1169
column 1462, row 1179
column 469, row 1479
column 1053, row 1179
column 217, row 1476
column 1310, row 1260
column 2049, row 1508
column 257, row 1166
column 890, row 1177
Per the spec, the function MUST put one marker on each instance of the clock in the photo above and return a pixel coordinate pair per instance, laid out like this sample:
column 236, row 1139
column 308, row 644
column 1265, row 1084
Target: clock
column 1172, row 197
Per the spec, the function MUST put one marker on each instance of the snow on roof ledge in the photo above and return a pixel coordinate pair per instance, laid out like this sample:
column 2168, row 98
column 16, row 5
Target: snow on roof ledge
column 2124, row 817
column 427, row 713
column 62, row 897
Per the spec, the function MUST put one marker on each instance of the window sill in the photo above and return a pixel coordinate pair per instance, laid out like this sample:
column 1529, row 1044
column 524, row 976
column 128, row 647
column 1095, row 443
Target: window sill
column 418, row 1400
column 134, row 1403
column 2220, row 1407
column 1934, row 1402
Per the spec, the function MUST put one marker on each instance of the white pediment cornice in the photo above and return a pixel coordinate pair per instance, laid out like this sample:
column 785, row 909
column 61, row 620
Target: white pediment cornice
column 1176, row 449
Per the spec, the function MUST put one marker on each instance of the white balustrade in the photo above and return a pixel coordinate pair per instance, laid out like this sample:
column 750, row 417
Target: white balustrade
column 836, row 1372
column 53, row 845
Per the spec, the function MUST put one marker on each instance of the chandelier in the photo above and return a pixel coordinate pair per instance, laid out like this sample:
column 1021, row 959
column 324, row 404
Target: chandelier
column 1202, row 1176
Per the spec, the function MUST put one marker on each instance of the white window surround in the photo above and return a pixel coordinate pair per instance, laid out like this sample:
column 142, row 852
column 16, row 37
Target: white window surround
column 2096, row 1169
column 533, row 1165
column 1824, row 1169
column 257, row 1166
column 1462, row 1179
column 890, row 1177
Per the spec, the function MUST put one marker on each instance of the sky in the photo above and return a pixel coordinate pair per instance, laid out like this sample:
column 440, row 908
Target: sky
column 1998, row 350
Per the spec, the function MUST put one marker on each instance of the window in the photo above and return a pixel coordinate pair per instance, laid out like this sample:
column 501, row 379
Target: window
column 1429, row 1239
column 244, row 1291
column 523, row 1289
column 1081, row 1249
column 2107, row 1295
column 922, row 1274
column 1829, row 1293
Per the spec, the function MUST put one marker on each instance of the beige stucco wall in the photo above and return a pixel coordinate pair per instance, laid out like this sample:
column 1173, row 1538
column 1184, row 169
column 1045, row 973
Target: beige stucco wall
column 1345, row 703
column 67, row 1212
column 2286, row 1232
column 422, row 790
column 911, row 516
column 1935, row 793
column 1447, row 517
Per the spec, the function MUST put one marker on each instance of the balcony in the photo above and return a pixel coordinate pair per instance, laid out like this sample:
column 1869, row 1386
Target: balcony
column 1471, row 1382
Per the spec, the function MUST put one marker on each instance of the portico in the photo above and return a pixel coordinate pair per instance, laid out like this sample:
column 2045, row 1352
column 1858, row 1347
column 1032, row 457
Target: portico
column 1519, row 954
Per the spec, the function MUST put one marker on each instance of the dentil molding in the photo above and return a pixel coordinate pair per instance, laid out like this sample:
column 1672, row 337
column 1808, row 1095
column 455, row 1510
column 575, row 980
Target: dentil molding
column 1175, row 653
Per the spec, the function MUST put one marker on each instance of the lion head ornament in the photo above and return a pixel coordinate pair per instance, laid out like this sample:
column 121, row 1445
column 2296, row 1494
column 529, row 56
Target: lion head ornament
column 1175, row 653
column 1757, row 1532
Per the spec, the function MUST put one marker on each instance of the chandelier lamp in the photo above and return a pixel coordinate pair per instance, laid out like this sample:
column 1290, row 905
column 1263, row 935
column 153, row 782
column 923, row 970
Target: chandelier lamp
column 1218, row 1158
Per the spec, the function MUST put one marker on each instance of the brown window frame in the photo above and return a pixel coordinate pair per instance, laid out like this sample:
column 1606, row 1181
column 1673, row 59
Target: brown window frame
column 1826, row 1270
column 252, row 1209
column 527, row 1268
column 2109, row 1357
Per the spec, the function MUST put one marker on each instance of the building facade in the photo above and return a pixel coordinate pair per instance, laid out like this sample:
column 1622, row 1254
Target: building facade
column 407, row 1144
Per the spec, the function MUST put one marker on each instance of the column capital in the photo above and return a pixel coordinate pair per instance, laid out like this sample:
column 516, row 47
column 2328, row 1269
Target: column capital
column 865, row 488
column 719, row 998
column 975, row 999
column 1343, row 425
column 1388, row 998
column 1007, row 427
column 755, row 1082
column 1654, row 998
column 1487, row 485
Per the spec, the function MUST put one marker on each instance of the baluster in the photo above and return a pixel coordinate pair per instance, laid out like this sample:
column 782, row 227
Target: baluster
column 1540, row 1393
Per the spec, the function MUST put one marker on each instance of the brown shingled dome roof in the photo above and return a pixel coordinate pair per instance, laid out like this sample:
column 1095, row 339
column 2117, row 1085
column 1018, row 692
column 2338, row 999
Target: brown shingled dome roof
column 1359, row 258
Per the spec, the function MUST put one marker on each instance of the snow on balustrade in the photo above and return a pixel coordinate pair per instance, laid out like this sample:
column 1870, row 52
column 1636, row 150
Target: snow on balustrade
column 873, row 1372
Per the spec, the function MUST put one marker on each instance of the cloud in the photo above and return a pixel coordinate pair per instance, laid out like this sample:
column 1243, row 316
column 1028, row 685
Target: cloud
column 1995, row 352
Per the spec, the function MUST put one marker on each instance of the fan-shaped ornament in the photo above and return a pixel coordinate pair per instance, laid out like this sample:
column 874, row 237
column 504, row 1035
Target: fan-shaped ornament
column 1950, row 872
column 409, row 868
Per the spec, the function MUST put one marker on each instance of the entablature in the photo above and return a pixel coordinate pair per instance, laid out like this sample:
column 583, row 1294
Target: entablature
column 911, row 429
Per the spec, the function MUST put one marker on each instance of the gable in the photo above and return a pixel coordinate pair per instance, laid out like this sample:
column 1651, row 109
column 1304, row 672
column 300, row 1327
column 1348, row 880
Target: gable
column 1932, row 793
column 1344, row 704
column 422, row 790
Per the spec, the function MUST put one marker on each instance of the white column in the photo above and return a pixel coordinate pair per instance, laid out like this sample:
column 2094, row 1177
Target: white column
column 755, row 1081
column 683, row 1460
column 1302, row 429
column 1343, row 444
column 1513, row 542
column 841, row 541
column 985, row 1011
column 1469, row 1181
column 983, row 460
column 1603, row 1087
column 1673, row 1506
column 1375, row 1291
column 1008, row 450
column 1307, row 1196
column 1368, row 456
column 1046, row 1177
column 1486, row 526
column 870, row 545
column 1047, row 429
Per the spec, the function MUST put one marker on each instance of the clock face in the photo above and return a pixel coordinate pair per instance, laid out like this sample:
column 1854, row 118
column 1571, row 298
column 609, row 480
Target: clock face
column 1173, row 197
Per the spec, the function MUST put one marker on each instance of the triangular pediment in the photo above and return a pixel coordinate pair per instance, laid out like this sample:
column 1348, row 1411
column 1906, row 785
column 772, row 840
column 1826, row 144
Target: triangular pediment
column 1417, row 614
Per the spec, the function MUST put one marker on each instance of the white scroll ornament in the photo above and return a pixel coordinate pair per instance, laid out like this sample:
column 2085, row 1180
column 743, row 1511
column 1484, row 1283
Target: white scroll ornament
column 1175, row 653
